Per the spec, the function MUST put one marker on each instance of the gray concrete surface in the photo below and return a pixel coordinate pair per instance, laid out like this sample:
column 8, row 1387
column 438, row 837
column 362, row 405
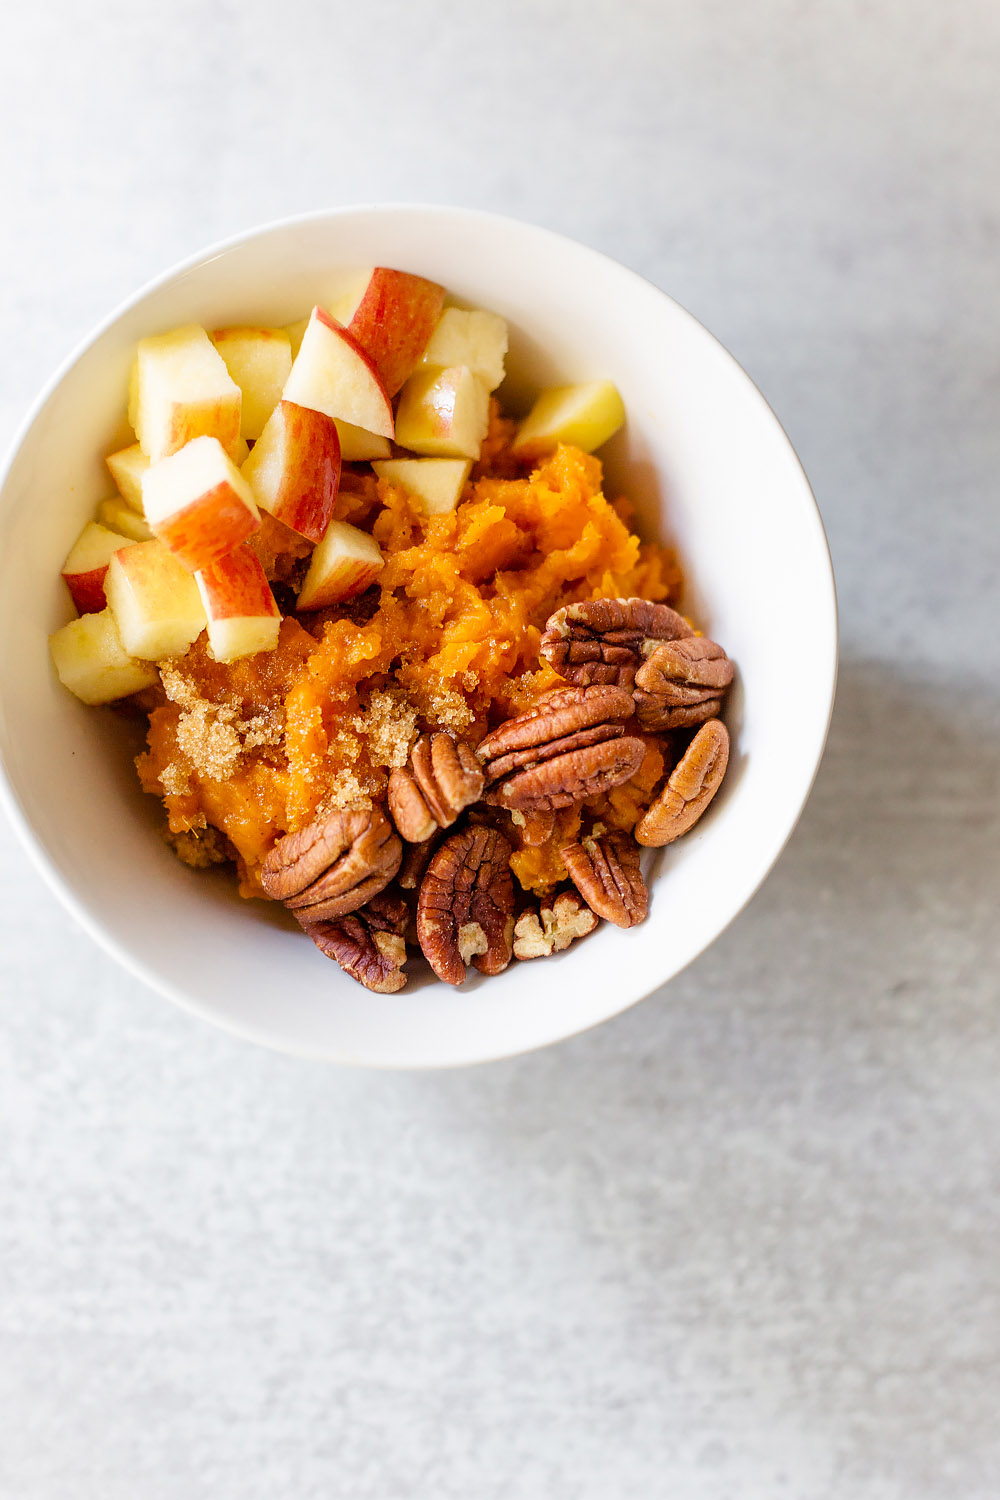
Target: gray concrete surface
column 743, row 1242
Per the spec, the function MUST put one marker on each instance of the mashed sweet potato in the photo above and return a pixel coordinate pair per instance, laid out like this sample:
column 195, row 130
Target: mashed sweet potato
column 448, row 639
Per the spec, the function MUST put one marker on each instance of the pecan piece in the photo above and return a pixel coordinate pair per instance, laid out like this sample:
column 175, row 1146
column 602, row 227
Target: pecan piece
column 333, row 866
column 690, row 787
column 416, row 858
column 553, row 926
column 368, row 944
column 605, row 640
column 533, row 828
column 442, row 778
column 605, row 870
column 571, row 745
column 465, row 910
column 681, row 684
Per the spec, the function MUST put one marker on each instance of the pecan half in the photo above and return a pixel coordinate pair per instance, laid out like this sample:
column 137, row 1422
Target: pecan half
column 465, row 910
column 442, row 778
column 571, row 745
column 333, row 866
column 605, row 640
column 682, row 683
column 605, row 870
column 553, row 926
column 690, row 787
column 368, row 944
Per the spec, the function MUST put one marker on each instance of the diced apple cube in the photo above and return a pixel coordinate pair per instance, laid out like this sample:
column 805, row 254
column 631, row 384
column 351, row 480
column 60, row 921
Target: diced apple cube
column 127, row 467
column 155, row 602
column 243, row 617
column 436, row 483
column 91, row 661
column 294, row 469
column 333, row 374
column 477, row 339
column 181, row 390
column 259, row 360
column 295, row 332
column 87, row 563
column 346, row 562
column 358, row 446
column 198, row 502
column 391, row 315
column 443, row 413
column 116, row 515
column 584, row 415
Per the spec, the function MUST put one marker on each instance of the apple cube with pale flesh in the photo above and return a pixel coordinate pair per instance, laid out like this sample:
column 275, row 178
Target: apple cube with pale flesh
column 346, row 562
column 242, row 615
column 198, row 502
column 391, row 314
column 294, row 469
column 87, row 563
column 295, row 332
column 91, row 661
column 155, row 602
column 477, row 339
column 259, row 360
column 436, row 483
column 333, row 374
column 443, row 413
column 358, row 446
column 584, row 415
column 181, row 390
column 116, row 515
column 127, row 467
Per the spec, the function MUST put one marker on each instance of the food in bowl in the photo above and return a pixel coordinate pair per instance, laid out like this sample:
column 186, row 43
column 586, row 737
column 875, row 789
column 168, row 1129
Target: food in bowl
column 403, row 663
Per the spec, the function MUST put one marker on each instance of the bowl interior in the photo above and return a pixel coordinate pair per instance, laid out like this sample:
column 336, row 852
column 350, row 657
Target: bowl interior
column 710, row 470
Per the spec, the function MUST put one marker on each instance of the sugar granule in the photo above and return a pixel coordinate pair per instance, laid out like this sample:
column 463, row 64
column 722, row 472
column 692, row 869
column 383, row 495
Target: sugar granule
column 389, row 727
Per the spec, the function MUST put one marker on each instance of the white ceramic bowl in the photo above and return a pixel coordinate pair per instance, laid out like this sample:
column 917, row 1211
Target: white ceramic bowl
column 710, row 469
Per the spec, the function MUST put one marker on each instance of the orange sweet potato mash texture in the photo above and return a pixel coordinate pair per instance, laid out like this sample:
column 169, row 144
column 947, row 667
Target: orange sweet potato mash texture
column 448, row 639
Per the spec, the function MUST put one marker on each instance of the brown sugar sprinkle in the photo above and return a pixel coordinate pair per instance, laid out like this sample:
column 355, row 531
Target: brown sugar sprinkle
column 389, row 724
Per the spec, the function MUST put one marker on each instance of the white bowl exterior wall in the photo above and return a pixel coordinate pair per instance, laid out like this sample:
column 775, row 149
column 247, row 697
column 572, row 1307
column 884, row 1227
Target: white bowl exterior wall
column 712, row 472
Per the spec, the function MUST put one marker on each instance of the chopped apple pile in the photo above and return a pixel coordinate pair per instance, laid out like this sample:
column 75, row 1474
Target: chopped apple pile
column 250, row 419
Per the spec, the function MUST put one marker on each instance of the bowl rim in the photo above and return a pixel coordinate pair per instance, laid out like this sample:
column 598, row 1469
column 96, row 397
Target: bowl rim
column 10, row 802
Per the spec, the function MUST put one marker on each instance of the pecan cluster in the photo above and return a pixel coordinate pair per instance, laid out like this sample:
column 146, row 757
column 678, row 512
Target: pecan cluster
column 438, row 867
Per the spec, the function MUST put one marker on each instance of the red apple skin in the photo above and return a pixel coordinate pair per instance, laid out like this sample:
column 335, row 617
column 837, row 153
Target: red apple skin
column 310, row 470
column 236, row 586
column 87, row 590
column 362, row 581
column 207, row 529
column 394, row 320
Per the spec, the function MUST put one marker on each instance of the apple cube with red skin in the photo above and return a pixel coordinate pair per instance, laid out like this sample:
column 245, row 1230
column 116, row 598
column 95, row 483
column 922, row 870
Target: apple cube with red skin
column 181, row 390
column 333, row 374
column 443, row 413
column 243, row 617
column 346, row 562
column 391, row 314
column 259, row 360
column 87, row 564
column 294, row 469
column 435, row 483
column 584, row 415
column 91, row 661
column 198, row 502
column 117, row 515
column 476, row 338
column 127, row 467
column 155, row 602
